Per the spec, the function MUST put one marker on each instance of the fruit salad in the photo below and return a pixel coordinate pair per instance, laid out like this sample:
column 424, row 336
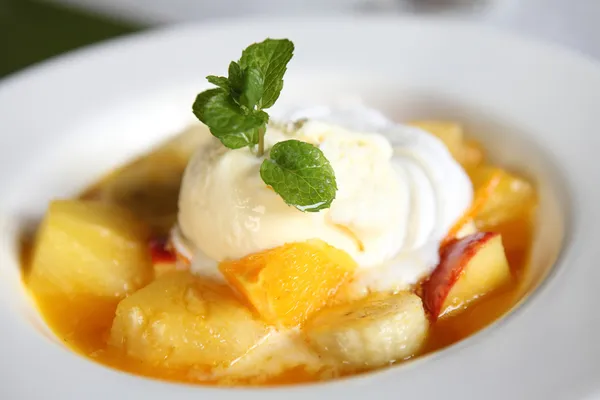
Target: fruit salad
column 305, row 245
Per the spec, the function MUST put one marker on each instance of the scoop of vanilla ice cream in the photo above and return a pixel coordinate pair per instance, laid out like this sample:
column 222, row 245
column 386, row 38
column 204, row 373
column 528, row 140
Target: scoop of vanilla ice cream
column 399, row 192
column 227, row 211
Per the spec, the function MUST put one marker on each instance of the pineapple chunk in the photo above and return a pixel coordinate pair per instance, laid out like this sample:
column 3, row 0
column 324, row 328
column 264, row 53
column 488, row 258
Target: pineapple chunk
column 289, row 283
column 89, row 248
column 451, row 133
column 469, row 153
column 180, row 320
column 473, row 154
column 149, row 186
column 513, row 197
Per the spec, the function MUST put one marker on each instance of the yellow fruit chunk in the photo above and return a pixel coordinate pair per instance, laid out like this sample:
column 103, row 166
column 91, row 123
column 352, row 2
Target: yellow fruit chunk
column 473, row 154
column 486, row 271
column 163, row 267
column 370, row 332
column 466, row 224
column 469, row 153
column 149, row 186
column 180, row 320
column 469, row 268
column 289, row 283
column 164, row 259
column 512, row 197
column 451, row 133
column 90, row 248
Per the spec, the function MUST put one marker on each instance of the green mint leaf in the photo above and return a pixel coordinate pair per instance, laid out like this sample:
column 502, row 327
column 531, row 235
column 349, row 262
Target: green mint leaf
column 300, row 174
column 270, row 57
column 236, row 80
column 242, row 139
column 227, row 120
column 253, row 87
column 219, row 81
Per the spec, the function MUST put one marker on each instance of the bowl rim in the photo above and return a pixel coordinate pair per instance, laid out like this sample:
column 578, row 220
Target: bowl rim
column 573, row 249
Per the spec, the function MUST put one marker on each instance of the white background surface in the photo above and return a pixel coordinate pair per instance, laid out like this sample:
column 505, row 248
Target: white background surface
column 573, row 23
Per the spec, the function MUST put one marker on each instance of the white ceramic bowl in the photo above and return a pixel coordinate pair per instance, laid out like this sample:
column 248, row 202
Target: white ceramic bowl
column 64, row 123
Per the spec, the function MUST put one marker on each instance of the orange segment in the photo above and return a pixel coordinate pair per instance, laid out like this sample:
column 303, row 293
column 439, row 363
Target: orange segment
column 289, row 283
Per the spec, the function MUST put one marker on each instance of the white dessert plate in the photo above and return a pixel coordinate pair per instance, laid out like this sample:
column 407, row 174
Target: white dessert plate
column 66, row 122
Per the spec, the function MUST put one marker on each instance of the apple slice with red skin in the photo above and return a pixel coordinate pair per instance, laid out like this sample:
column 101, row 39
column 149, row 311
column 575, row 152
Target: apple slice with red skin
column 469, row 268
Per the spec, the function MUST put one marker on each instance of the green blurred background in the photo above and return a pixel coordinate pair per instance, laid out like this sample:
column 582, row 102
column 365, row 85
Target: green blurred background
column 31, row 31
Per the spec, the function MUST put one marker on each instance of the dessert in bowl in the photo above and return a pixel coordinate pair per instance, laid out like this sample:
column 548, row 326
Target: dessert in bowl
column 306, row 245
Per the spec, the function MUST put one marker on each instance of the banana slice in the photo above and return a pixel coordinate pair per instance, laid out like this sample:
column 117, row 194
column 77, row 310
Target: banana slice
column 371, row 332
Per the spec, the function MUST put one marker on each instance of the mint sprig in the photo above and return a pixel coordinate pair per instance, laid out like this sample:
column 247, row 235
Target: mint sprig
column 299, row 172
column 234, row 127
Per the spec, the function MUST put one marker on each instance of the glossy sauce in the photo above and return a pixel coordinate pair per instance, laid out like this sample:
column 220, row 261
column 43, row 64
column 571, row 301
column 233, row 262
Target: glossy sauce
column 83, row 323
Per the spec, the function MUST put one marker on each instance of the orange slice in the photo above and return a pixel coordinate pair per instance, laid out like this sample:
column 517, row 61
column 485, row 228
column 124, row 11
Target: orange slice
column 287, row 284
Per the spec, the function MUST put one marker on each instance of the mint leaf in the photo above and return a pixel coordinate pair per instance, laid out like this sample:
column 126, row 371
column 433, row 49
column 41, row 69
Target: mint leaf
column 270, row 57
column 255, row 82
column 300, row 174
column 253, row 87
column 227, row 120
column 241, row 139
column 236, row 75
column 219, row 81
column 236, row 80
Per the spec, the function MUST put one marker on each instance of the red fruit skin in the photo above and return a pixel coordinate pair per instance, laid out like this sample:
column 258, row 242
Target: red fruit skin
column 454, row 257
column 160, row 251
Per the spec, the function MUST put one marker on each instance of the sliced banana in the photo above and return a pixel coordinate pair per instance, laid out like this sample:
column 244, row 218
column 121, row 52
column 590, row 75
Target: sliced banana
column 371, row 332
